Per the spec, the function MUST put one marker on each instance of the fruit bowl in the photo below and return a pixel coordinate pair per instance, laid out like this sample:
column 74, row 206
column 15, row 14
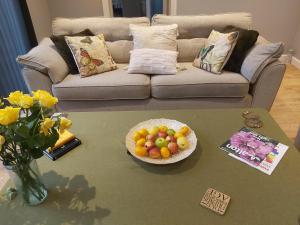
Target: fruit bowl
column 171, row 124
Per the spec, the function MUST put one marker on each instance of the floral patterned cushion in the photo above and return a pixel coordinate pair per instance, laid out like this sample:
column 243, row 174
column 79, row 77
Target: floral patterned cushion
column 216, row 52
column 91, row 54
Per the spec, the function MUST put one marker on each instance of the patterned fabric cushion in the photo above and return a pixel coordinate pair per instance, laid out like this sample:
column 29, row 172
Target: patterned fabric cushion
column 91, row 54
column 64, row 51
column 217, row 50
column 158, row 37
column 152, row 61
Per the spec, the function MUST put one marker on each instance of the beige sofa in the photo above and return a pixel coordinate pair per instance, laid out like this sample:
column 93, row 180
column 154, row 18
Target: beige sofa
column 189, row 88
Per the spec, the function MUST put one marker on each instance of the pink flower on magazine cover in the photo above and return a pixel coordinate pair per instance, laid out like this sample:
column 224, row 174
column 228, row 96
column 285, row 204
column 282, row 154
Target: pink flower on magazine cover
column 252, row 149
column 263, row 150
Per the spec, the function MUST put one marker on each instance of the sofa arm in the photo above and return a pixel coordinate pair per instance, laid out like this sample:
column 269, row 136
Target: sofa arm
column 36, row 80
column 265, row 88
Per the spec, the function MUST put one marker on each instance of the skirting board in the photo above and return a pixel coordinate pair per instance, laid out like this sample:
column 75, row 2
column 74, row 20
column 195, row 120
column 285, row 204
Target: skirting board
column 295, row 61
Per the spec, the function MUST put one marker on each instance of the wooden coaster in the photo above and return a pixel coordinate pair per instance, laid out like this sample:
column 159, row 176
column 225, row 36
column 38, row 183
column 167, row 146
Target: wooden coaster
column 215, row 201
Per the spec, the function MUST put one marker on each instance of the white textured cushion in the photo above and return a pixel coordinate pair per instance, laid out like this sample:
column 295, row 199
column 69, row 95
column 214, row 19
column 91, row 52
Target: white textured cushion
column 158, row 37
column 152, row 61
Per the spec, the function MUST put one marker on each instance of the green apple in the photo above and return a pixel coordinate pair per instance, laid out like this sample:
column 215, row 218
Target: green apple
column 161, row 142
column 171, row 132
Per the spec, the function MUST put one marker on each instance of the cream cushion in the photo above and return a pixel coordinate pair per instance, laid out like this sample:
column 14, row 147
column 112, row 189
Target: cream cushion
column 113, row 29
column 116, row 84
column 120, row 50
column 152, row 61
column 189, row 48
column 159, row 37
column 192, row 83
column 46, row 59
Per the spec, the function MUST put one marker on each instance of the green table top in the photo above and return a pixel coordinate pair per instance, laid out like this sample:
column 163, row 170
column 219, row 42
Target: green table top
column 99, row 183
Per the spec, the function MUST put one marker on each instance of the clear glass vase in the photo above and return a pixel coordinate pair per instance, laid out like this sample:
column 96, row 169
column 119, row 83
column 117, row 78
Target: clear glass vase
column 27, row 179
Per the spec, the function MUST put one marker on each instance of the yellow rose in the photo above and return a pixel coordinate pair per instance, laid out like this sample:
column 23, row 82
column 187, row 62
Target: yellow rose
column 14, row 97
column 26, row 101
column 44, row 98
column 64, row 124
column 2, row 140
column 46, row 125
column 9, row 115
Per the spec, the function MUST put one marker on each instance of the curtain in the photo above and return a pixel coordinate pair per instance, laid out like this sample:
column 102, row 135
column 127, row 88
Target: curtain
column 14, row 41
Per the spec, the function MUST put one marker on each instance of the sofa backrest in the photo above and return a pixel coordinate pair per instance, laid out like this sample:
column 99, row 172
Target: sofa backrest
column 113, row 29
column 200, row 26
column 193, row 30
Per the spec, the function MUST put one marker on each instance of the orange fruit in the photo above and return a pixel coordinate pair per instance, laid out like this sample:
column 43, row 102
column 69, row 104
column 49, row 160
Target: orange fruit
column 136, row 136
column 165, row 152
column 141, row 151
column 143, row 132
column 163, row 128
column 184, row 130
column 141, row 142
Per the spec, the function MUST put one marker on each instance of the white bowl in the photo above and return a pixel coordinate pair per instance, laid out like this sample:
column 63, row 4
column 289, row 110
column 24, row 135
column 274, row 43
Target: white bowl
column 173, row 124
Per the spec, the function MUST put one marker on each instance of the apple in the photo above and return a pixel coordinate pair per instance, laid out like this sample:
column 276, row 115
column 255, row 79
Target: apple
column 150, row 137
column 162, row 134
column 154, row 153
column 171, row 139
column 173, row 147
column 171, row 132
column 161, row 142
column 149, row 144
column 182, row 143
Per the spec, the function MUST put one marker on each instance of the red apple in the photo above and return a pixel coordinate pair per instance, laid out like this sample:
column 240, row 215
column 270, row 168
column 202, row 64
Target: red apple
column 154, row 153
column 173, row 147
column 171, row 139
column 149, row 144
column 162, row 134
column 150, row 137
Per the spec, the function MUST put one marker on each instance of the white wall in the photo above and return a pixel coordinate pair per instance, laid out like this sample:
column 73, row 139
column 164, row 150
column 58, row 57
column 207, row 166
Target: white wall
column 40, row 16
column 44, row 11
column 296, row 45
column 75, row 8
column 276, row 20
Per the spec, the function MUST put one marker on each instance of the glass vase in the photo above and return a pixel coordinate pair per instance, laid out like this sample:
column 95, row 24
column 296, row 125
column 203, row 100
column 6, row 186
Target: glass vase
column 28, row 182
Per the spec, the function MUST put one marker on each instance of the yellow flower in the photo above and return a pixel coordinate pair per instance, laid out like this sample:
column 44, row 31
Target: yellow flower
column 64, row 124
column 44, row 98
column 9, row 115
column 2, row 140
column 46, row 125
column 26, row 101
column 14, row 97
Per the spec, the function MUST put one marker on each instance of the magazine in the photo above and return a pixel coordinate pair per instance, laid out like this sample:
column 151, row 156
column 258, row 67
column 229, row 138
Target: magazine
column 256, row 150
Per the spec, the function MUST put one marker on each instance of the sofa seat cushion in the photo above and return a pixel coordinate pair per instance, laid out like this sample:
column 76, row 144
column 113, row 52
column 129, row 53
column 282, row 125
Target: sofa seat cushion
column 112, row 85
column 193, row 82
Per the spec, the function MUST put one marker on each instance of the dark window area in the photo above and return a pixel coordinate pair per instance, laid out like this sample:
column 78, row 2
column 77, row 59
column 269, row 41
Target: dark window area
column 136, row 8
